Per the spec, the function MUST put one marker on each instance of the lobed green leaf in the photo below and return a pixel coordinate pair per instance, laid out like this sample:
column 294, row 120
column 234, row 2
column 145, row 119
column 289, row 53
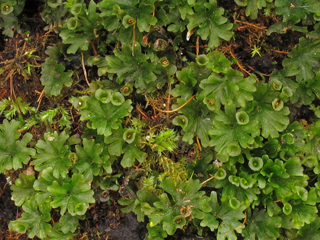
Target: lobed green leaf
column 13, row 152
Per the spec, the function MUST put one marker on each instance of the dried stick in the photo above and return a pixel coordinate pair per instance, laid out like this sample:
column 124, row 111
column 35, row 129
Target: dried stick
column 244, row 222
column 84, row 70
column 209, row 179
column 174, row 110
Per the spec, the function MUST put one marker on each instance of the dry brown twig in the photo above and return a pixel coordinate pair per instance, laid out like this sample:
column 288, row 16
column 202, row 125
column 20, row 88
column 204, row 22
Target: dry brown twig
column 84, row 69
column 174, row 110
column 209, row 179
column 244, row 222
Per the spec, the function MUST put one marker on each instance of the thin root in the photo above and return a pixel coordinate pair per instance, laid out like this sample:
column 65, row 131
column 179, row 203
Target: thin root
column 197, row 47
column 133, row 38
column 239, row 64
column 198, row 142
column 174, row 110
column 209, row 179
column 278, row 51
column 84, row 69
column 244, row 222
column 94, row 49
column 251, row 25
column 40, row 99
column 142, row 113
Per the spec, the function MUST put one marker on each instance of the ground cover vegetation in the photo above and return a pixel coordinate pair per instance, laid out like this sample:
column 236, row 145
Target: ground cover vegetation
column 200, row 117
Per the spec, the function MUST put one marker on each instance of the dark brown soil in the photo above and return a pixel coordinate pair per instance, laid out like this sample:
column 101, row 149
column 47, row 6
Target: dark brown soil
column 8, row 211
column 106, row 221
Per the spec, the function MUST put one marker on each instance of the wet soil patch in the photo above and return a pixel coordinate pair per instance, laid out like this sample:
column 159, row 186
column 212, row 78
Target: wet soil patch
column 8, row 210
column 104, row 220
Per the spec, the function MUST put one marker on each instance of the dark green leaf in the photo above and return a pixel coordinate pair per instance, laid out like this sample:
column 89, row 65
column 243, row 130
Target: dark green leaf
column 42, row 183
column 229, row 89
column 68, row 223
column 199, row 121
column 142, row 12
column 253, row 6
column 230, row 218
column 53, row 152
column 104, row 117
column 270, row 121
column 74, row 195
column 310, row 231
column 57, row 234
column 305, row 58
column 23, row 190
column 13, row 152
column 302, row 214
column 132, row 67
column 131, row 154
column 34, row 218
column 260, row 225
column 91, row 159
column 212, row 25
column 294, row 11
column 227, row 132
column 54, row 77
